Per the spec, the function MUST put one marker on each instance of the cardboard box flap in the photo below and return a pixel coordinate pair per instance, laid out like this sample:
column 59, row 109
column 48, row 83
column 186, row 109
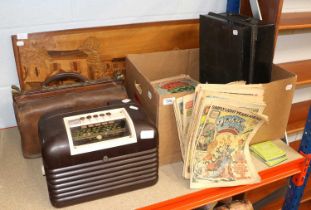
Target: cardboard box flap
column 278, row 74
column 165, row 64
column 140, row 89
column 278, row 96
column 156, row 66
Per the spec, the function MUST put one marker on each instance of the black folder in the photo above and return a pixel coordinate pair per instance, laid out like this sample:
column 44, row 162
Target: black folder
column 235, row 47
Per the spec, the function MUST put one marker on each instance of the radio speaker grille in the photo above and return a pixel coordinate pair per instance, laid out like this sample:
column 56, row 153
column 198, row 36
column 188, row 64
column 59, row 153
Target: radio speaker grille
column 103, row 177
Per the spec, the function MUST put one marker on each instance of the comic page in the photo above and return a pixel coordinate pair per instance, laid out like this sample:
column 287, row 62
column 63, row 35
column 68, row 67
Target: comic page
column 221, row 151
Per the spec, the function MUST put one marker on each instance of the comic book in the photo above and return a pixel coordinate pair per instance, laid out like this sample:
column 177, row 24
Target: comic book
column 220, row 155
column 178, row 111
column 197, row 120
column 187, row 110
column 176, row 84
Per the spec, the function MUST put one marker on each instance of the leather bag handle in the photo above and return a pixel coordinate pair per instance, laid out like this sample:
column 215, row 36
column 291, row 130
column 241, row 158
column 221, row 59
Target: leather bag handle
column 64, row 76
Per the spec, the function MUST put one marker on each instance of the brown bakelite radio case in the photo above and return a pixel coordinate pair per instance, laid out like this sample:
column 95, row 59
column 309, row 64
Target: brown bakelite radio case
column 75, row 176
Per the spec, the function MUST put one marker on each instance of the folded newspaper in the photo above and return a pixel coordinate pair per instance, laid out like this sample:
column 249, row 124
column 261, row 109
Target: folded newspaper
column 216, row 125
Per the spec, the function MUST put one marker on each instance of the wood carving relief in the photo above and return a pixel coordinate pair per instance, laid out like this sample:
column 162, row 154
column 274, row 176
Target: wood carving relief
column 96, row 53
column 42, row 61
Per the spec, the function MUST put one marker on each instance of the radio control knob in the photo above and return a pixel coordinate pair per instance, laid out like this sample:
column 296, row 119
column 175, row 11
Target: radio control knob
column 99, row 137
column 134, row 107
column 42, row 170
column 125, row 101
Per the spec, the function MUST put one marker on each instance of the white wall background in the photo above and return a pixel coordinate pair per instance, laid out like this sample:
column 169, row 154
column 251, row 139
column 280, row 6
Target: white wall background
column 296, row 5
column 19, row 16
column 293, row 46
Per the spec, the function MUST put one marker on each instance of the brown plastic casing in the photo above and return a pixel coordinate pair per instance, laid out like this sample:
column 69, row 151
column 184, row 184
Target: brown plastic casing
column 72, row 179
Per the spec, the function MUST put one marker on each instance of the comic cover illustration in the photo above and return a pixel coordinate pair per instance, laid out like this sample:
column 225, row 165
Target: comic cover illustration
column 199, row 119
column 182, row 83
column 221, row 152
column 205, row 99
column 187, row 110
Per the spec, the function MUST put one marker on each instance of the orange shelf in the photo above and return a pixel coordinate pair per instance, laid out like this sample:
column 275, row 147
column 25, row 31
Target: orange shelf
column 301, row 69
column 299, row 20
column 261, row 192
column 307, row 192
column 298, row 116
column 202, row 197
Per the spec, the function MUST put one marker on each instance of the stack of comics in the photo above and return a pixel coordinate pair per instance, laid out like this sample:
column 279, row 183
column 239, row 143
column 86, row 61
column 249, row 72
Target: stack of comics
column 215, row 126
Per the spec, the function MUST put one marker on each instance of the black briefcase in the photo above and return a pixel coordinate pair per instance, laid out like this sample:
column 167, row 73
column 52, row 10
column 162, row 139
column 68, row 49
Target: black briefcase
column 235, row 47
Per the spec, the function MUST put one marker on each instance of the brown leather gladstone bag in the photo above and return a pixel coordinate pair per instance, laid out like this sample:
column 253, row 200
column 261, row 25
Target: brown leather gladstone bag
column 29, row 106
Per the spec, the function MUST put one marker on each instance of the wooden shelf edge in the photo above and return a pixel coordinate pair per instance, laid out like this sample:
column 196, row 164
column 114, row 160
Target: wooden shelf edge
column 296, row 27
column 301, row 69
column 200, row 198
column 295, row 20
column 294, row 130
column 301, row 84
column 308, row 198
column 295, row 127
column 298, row 116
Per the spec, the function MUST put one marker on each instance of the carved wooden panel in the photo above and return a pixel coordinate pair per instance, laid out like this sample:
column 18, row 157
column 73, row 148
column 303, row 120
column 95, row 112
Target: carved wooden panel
column 96, row 53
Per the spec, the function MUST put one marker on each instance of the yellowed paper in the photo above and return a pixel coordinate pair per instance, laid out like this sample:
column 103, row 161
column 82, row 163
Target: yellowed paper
column 221, row 152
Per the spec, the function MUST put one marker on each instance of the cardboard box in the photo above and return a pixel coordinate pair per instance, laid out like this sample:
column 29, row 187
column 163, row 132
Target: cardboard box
column 142, row 69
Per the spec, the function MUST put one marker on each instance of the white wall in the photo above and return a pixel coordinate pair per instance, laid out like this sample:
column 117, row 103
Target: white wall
column 293, row 46
column 296, row 5
column 18, row 16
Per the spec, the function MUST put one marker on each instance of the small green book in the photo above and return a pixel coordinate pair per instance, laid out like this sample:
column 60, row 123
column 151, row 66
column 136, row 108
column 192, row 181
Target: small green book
column 268, row 151
column 272, row 162
column 276, row 161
